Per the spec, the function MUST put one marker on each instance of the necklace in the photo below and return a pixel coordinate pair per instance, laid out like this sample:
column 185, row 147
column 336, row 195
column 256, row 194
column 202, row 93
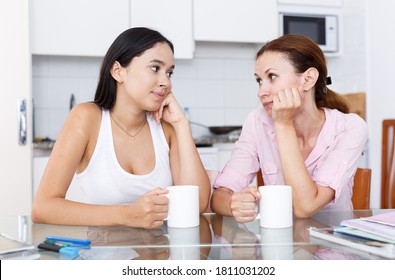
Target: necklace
column 133, row 136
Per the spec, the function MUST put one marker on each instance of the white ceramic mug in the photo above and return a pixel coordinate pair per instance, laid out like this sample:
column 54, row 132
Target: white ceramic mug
column 183, row 206
column 275, row 206
column 184, row 243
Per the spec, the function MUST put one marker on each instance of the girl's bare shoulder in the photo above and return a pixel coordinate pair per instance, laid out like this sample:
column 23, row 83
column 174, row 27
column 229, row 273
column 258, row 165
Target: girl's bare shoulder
column 86, row 113
column 85, row 117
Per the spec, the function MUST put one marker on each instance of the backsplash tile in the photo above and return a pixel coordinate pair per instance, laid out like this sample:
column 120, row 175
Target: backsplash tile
column 58, row 117
column 210, row 69
column 41, row 122
column 213, row 82
column 210, row 116
column 210, row 94
column 185, row 90
column 239, row 69
column 41, row 93
column 241, row 93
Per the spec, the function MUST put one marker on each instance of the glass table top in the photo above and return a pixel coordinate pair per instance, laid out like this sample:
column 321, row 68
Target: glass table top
column 217, row 238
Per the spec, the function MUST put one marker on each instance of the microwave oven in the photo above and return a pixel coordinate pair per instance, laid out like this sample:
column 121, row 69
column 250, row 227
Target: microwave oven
column 323, row 29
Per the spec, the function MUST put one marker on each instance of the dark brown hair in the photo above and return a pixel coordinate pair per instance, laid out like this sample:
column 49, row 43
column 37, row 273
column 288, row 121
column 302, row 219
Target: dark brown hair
column 129, row 44
column 303, row 53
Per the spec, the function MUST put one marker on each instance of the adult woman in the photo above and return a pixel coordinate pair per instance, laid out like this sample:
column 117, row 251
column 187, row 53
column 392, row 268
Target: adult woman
column 123, row 155
column 303, row 136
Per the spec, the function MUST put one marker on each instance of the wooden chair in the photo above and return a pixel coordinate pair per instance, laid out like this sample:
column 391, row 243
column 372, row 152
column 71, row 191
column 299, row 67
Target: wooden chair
column 259, row 178
column 357, row 103
column 387, row 165
column 361, row 190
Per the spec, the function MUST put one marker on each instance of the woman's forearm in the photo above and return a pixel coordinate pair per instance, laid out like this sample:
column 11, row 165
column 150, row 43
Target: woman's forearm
column 191, row 170
column 221, row 201
column 65, row 212
column 304, row 190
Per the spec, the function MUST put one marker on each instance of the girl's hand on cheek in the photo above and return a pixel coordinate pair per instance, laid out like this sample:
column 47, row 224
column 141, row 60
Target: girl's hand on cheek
column 169, row 110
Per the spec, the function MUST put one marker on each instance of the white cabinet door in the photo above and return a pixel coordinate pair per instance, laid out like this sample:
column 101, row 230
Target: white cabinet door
column 173, row 18
column 15, row 81
column 249, row 21
column 224, row 153
column 76, row 27
column 209, row 158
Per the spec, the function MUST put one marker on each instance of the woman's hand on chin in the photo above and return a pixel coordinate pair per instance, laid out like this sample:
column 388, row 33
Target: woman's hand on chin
column 170, row 111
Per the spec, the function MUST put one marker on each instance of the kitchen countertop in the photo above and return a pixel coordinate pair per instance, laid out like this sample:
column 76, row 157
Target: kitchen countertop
column 37, row 152
column 210, row 140
column 44, row 147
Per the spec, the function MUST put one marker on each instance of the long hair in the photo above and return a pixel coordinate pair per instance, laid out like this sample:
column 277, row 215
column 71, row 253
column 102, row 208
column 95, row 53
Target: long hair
column 129, row 44
column 303, row 53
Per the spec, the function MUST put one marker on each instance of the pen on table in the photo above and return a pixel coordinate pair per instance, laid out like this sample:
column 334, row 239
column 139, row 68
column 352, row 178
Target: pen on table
column 76, row 241
column 69, row 251
column 58, row 243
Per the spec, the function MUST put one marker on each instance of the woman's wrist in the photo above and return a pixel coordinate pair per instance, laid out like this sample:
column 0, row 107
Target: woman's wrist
column 182, row 130
column 181, row 125
column 229, row 210
column 121, row 217
column 283, row 125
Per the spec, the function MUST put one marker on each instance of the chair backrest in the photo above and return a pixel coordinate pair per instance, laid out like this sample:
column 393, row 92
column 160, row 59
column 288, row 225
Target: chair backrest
column 259, row 178
column 357, row 103
column 361, row 190
column 387, row 165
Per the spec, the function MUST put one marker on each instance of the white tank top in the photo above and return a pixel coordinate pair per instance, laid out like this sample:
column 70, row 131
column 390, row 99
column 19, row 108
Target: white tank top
column 104, row 181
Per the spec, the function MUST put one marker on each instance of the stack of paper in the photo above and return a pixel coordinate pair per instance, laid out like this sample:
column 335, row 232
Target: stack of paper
column 385, row 219
column 378, row 227
column 11, row 248
column 375, row 234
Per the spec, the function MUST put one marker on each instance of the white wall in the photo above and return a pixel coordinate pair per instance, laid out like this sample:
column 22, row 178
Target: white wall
column 380, row 75
column 348, row 71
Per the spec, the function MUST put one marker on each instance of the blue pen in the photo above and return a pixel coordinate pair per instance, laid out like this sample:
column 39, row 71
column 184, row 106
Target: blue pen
column 58, row 243
column 84, row 242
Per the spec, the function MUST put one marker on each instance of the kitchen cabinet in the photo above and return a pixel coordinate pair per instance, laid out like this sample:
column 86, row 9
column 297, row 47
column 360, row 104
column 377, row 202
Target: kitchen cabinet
column 322, row 3
column 173, row 18
column 87, row 28
column 75, row 27
column 15, row 80
column 209, row 158
column 224, row 153
column 247, row 21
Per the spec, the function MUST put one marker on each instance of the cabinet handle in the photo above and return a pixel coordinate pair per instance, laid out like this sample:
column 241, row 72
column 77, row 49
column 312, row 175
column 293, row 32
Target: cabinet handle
column 22, row 127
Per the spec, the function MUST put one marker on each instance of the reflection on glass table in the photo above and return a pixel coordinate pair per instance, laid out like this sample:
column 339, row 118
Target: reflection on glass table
column 217, row 238
column 250, row 241
column 153, row 244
